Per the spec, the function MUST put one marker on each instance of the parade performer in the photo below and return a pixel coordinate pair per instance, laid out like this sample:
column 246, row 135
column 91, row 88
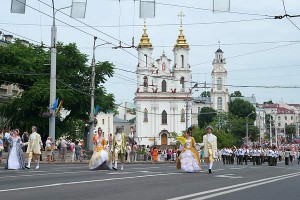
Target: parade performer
column 119, row 147
column 101, row 158
column 34, row 147
column 210, row 147
column 15, row 159
column 188, row 160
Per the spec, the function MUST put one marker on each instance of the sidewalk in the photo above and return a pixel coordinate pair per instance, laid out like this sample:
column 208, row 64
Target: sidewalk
column 4, row 156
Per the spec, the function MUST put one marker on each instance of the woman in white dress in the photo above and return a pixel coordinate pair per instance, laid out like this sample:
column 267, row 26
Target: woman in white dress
column 188, row 160
column 15, row 158
column 101, row 158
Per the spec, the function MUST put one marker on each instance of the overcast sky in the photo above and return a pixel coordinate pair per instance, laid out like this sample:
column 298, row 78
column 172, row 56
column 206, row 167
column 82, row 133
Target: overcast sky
column 260, row 51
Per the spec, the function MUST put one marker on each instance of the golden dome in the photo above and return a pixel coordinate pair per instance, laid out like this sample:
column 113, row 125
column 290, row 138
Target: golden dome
column 181, row 41
column 145, row 41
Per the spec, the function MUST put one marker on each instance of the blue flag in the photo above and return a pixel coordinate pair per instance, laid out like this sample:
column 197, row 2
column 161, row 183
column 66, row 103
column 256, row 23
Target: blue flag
column 55, row 104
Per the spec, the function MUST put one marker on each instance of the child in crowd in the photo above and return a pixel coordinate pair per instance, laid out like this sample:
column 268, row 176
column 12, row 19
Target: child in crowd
column 78, row 151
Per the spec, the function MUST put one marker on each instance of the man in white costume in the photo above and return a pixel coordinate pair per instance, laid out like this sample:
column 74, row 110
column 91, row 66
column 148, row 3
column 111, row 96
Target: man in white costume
column 210, row 147
column 34, row 147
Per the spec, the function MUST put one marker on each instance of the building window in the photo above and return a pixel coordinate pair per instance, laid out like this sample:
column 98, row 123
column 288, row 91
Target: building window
column 279, row 118
column 279, row 124
column 182, row 119
column 219, row 103
column 145, row 81
column 164, row 117
column 182, row 61
column 182, row 82
column 146, row 59
column 145, row 115
column 199, row 109
column 285, row 118
column 219, row 84
column 164, row 86
column 102, row 121
column 163, row 66
column 291, row 117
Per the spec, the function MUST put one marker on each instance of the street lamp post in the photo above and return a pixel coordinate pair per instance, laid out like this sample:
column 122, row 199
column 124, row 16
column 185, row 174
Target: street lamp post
column 247, row 127
column 91, row 121
column 187, row 106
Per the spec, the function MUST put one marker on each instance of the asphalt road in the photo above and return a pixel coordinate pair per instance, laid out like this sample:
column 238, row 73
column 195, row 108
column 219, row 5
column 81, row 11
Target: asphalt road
column 151, row 181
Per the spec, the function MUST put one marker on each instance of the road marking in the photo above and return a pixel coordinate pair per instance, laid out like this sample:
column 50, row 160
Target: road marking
column 233, row 186
column 231, row 176
column 82, row 182
column 243, row 188
column 145, row 168
column 33, row 174
column 238, row 168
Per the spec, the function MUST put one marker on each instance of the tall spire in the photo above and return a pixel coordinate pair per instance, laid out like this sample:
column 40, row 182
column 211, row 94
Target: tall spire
column 181, row 41
column 145, row 41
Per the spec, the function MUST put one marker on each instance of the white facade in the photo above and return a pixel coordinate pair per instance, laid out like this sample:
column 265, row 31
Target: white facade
column 162, row 93
column 126, row 111
column 219, row 92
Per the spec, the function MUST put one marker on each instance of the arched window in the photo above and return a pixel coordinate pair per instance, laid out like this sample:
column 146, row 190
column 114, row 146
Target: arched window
column 163, row 66
column 145, row 115
column 219, row 103
column 146, row 60
column 182, row 82
column 182, row 61
column 219, row 83
column 182, row 118
column 145, row 81
column 164, row 86
column 164, row 117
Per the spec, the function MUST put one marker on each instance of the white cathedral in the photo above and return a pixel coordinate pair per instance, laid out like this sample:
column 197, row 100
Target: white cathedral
column 164, row 92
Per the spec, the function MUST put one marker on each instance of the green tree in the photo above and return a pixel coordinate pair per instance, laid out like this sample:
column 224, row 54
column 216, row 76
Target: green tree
column 268, row 102
column 29, row 69
column 205, row 94
column 236, row 94
column 224, row 139
column 290, row 130
column 242, row 109
column 206, row 116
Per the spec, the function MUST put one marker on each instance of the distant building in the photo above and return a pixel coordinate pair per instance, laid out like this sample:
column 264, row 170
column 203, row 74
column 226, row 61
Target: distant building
column 126, row 111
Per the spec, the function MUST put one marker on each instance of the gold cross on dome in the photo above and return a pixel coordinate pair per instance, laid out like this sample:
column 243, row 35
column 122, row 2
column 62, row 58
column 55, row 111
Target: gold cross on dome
column 181, row 15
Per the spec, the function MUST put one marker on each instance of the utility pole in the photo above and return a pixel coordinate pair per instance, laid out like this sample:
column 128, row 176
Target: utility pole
column 271, row 130
column 91, row 121
column 53, row 75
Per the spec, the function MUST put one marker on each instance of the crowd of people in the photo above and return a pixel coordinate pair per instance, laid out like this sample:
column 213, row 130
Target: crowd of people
column 258, row 155
column 121, row 148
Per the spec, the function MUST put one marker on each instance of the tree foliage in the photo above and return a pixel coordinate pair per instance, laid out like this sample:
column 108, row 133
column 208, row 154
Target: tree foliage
column 236, row 94
column 205, row 94
column 206, row 116
column 29, row 69
column 242, row 109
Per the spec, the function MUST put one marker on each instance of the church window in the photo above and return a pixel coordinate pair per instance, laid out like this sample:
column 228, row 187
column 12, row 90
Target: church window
column 145, row 115
column 279, row 118
column 182, row 118
column 182, row 82
column 291, row 117
column 146, row 59
column 182, row 61
column 145, row 81
column 164, row 117
column 164, row 86
column 285, row 117
column 219, row 103
column 219, row 84
column 163, row 66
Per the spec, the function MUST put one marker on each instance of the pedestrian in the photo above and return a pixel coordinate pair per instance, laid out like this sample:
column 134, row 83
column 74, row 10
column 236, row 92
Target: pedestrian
column 209, row 147
column 63, row 146
column 128, row 152
column 155, row 154
column 78, row 151
column 134, row 151
column 1, row 147
column 49, row 149
column 25, row 138
column 34, row 147
column 72, row 149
